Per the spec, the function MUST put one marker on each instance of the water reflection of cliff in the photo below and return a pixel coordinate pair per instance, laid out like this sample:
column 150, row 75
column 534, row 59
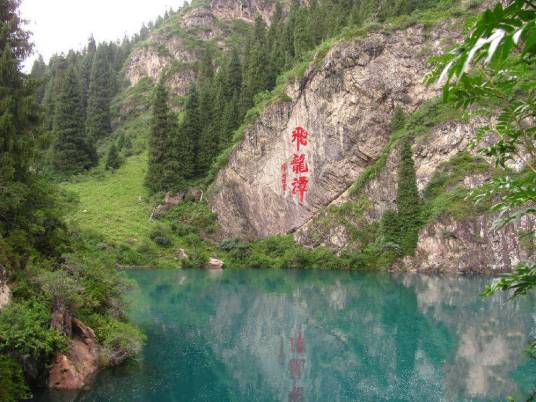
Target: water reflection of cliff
column 291, row 336
column 491, row 335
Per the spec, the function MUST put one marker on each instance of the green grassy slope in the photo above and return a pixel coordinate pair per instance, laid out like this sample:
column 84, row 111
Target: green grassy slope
column 115, row 205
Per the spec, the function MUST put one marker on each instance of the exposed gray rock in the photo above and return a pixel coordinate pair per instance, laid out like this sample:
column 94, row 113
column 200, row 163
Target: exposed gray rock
column 214, row 263
column 5, row 291
column 242, row 9
column 346, row 105
column 470, row 246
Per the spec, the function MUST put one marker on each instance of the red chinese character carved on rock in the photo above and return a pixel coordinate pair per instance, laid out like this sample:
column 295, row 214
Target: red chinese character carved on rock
column 299, row 186
column 299, row 136
column 298, row 164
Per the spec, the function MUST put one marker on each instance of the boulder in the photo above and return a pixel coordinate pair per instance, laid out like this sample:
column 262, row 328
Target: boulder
column 174, row 199
column 194, row 194
column 182, row 255
column 76, row 367
column 214, row 263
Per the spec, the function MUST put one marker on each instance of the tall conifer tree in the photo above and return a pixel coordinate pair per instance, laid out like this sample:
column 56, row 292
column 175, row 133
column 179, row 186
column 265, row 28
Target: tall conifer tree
column 164, row 173
column 407, row 199
column 73, row 151
column 98, row 107
column 191, row 127
column 85, row 73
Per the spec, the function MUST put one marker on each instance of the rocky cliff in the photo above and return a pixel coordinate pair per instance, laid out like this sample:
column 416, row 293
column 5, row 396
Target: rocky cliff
column 346, row 101
column 345, row 104
column 173, row 47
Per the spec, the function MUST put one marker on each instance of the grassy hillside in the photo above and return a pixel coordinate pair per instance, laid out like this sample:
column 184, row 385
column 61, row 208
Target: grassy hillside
column 115, row 205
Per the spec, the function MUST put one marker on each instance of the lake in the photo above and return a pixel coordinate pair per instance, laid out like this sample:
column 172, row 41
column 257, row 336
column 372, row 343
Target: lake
column 296, row 336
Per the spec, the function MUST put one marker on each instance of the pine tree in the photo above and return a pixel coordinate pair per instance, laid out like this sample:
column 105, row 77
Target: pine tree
column 73, row 151
column 164, row 172
column 303, row 40
column 408, row 200
column 27, row 220
column 85, row 73
column 57, row 68
column 191, row 128
column 230, row 119
column 208, row 136
column 113, row 161
column 98, row 107
column 258, row 73
column 38, row 73
column 208, row 139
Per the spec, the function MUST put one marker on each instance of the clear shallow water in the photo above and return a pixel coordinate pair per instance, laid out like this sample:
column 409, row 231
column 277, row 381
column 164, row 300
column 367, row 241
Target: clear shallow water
column 320, row 336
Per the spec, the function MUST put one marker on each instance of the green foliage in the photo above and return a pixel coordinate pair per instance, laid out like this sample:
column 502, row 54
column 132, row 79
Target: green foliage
column 417, row 124
column 494, row 69
column 12, row 385
column 24, row 328
column 520, row 281
column 161, row 235
column 73, row 151
column 486, row 72
column 113, row 160
column 399, row 120
column 189, row 217
column 408, row 200
column 282, row 252
column 113, row 205
column 119, row 340
column 190, row 131
column 166, row 172
column 98, row 122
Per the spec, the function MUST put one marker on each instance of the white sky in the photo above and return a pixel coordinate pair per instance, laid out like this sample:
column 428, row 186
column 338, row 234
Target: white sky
column 60, row 25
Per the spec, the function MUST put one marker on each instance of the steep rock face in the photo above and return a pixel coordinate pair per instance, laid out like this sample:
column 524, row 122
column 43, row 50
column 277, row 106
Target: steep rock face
column 346, row 106
column 166, row 47
column 243, row 9
column 470, row 246
column 429, row 151
column 152, row 60
column 73, row 369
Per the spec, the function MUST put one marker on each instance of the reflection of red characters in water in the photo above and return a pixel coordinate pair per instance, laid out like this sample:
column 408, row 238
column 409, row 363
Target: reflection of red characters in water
column 296, row 367
column 299, row 136
column 296, row 395
column 297, row 343
column 299, row 185
column 300, row 343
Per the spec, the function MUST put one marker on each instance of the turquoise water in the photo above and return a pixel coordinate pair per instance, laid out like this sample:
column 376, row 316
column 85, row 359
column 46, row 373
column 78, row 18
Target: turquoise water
column 321, row 336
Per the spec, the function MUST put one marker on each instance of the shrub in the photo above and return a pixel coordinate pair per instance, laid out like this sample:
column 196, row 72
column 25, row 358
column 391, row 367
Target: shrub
column 12, row 385
column 181, row 229
column 24, row 328
column 119, row 340
column 191, row 217
column 161, row 235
